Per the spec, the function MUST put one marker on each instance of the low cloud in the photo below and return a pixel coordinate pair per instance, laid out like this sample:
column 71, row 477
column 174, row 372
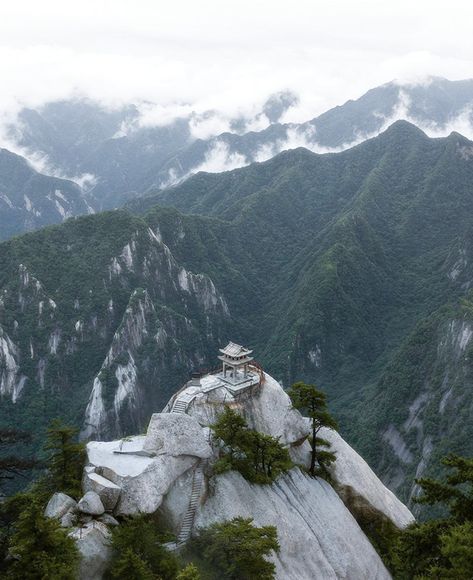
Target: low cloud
column 462, row 122
column 219, row 158
column 39, row 161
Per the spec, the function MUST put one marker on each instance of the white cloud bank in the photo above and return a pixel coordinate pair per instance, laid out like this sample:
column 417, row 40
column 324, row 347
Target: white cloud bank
column 219, row 158
column 191, row 58
column 224, row 56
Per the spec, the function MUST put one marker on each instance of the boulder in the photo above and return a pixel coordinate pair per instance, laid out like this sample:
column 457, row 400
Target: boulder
column 176, row 503
column 59, row 505
column 91, row 504
column 93, row 543
column 108, row 520
column 69, row 520
column 176, row 434
column 143, row 480
column 144, row 493
column 108, row 491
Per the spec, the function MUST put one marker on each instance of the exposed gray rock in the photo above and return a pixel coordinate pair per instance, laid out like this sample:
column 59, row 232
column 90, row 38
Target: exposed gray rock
column 176, row 434
column 319, row 537
column 176, row 503
column 69, row 520
column 59, row 505
column 143, row 480
column 355, row 478
column 108, row 520
column 108, row 491
column 144, row 493
column 272, row 413
column 93, row 543
column 269, row 410
column 91, row 504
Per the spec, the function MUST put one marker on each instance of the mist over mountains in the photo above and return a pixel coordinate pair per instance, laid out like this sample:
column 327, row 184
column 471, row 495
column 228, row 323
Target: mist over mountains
column 119, row 154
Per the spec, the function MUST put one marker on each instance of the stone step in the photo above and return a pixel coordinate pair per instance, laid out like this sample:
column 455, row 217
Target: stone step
column 179, row 407
column 196, row 493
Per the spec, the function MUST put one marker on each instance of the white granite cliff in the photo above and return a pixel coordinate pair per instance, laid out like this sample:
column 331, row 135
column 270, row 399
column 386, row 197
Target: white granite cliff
column 172, row 465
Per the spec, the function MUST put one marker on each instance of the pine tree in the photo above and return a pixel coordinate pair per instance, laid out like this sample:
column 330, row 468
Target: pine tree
column 456, row 492
column 66, row 459
column 441, row 548
column 238, row 549
column 41, row 549
column 308, row 399
column 230, row 428
column 258, row 457
column 138, row 541
column 130, row 566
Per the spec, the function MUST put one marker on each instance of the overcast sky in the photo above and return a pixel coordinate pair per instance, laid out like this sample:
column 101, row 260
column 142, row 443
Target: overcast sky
column 226, row 54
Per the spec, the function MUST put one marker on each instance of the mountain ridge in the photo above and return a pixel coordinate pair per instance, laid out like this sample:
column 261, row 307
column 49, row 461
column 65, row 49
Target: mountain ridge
column 129, row 159
column 328, row 265
column 29, row 199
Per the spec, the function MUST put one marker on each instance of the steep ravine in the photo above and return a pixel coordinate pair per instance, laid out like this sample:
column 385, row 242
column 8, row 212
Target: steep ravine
column 432, row 375
column 122, row 339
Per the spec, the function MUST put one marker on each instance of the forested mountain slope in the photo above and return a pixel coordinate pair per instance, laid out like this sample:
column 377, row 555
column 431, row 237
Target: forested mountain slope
column 350, row 270
column 29, row 200
column 353, row 252
column 98, row 311
column 129, row 155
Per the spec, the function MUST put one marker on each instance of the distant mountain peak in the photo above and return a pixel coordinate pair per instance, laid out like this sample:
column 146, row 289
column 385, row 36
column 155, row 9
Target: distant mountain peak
column 404, row 128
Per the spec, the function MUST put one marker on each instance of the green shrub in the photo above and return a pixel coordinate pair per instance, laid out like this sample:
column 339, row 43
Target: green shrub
column 258, row 457
column 237, row 549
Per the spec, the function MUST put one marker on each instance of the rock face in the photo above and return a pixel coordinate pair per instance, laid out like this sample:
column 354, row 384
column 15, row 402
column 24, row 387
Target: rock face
column 356, row 480
column 93, row 543
column 170, row 469
column 143, row 480
column 59, row 505
column 319, row 537
column 272, row 413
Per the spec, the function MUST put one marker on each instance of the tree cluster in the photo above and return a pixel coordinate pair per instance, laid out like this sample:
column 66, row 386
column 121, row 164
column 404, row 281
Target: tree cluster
column 40, row 548
column 65, row 459
column 441, row 548
column 138, row 552
column 258, row 457
column 31, row 545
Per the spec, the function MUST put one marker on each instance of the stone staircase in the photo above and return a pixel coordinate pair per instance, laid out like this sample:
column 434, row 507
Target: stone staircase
column 196, row 494
column 188, row 521
column 180, row 405
column 182, row 402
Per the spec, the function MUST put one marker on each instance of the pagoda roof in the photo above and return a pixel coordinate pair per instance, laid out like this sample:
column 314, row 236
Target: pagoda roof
column 233, row 349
